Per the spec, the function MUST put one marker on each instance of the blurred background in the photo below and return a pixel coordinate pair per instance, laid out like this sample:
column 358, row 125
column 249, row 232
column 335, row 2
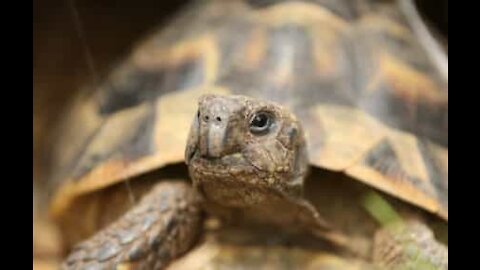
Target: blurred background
column 74, row 44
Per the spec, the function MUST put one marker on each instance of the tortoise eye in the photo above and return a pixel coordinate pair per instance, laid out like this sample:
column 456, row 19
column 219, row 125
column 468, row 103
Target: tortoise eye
column 260, row 123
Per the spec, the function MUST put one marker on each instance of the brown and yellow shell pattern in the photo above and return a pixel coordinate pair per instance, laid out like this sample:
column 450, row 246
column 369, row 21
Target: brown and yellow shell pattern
column 371, row 101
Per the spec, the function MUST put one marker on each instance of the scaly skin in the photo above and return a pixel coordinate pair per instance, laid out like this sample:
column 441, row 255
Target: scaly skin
column 248, row 161
column 409, row 246
column 163, row 225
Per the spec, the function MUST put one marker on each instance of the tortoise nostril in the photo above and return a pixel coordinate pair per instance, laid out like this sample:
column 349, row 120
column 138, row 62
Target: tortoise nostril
column 206, row 118
column 219, row 119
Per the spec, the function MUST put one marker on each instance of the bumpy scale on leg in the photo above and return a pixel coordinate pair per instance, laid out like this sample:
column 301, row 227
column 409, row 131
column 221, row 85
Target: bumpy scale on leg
column 161, row 227
column 410, row 245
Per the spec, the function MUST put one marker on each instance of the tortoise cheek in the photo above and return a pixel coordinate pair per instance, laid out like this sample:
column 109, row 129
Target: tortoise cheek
column 289, row 135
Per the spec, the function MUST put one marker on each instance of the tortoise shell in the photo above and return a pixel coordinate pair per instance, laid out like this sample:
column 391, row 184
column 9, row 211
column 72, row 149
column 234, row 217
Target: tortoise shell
column 372, row 101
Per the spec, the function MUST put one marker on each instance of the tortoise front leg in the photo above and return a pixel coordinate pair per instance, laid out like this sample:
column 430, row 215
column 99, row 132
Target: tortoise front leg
column 163, row 225
column 409, row 245
column 403, row 244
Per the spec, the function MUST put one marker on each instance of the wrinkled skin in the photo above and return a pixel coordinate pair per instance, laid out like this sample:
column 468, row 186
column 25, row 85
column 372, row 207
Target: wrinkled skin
column 247, row 171
column 247, row 159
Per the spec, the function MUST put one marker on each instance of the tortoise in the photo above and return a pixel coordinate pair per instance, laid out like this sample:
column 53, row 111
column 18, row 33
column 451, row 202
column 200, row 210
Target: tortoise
column 347, row 90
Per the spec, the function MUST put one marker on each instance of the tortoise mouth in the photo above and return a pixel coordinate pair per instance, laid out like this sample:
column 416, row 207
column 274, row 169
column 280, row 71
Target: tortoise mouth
column 228, row 165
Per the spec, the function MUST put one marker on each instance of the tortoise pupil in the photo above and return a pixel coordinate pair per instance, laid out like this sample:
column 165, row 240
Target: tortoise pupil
column 260, row 120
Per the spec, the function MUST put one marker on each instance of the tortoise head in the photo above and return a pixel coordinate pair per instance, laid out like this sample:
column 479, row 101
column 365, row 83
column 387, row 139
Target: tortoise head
column 241, row 150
